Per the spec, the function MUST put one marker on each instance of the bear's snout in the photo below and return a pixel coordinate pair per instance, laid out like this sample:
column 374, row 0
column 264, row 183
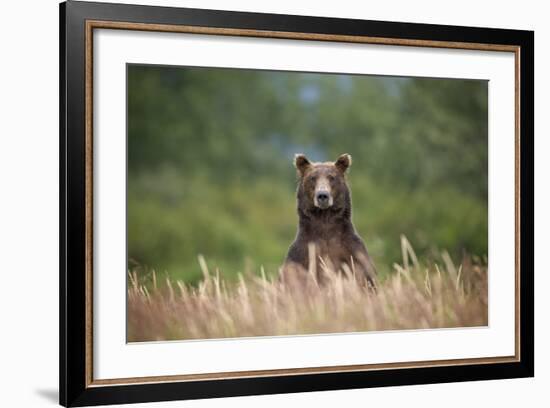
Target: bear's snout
column 323, row 199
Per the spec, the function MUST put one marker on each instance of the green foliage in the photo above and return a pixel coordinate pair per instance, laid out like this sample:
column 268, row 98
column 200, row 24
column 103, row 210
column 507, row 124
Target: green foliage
column 210, row 163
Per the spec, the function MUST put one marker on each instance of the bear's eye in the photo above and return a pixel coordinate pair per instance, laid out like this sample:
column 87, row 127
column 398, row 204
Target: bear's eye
column 330, row 177
column 313, row 179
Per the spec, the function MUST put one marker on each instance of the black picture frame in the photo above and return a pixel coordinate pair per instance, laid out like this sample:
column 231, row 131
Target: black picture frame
column 75, row 389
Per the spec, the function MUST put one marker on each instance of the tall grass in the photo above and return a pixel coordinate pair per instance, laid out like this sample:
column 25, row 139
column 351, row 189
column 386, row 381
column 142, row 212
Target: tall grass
column 416, row 295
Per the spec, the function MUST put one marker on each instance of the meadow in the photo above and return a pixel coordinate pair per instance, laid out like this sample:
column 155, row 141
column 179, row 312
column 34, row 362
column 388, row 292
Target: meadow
column 415, row 295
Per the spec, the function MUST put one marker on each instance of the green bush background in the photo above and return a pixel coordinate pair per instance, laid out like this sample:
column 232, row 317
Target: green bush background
column 210, row 163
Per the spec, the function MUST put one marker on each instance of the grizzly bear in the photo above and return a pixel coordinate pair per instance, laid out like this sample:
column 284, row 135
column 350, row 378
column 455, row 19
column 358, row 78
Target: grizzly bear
column 325, row 231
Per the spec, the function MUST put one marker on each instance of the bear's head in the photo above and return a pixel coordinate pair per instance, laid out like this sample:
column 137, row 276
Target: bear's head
column 322, row 186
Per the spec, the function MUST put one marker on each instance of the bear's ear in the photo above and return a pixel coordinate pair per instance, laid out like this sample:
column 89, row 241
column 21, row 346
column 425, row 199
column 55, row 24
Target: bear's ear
column 301, row 163
column 343, row 162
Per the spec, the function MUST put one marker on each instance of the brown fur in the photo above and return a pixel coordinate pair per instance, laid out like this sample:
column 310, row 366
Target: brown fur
column 329, row 231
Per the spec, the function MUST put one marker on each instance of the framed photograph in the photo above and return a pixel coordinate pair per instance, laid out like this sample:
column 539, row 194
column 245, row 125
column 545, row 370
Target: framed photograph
column 256, row 203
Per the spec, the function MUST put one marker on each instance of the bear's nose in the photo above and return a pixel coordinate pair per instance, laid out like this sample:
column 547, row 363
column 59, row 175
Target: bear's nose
column 322, row 196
